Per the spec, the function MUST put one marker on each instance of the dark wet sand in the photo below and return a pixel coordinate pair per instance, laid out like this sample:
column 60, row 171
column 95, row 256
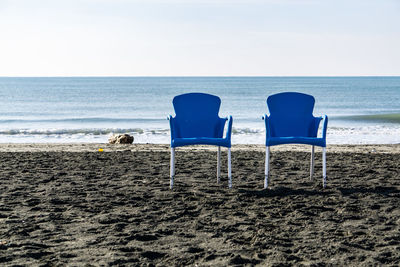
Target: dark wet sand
column 115, row 208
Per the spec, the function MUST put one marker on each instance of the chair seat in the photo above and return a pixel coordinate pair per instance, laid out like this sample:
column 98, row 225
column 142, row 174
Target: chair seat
column 273, row 141
column 225, row 142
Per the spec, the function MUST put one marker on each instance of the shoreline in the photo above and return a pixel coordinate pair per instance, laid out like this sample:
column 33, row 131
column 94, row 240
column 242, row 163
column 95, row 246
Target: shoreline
column 94, row 147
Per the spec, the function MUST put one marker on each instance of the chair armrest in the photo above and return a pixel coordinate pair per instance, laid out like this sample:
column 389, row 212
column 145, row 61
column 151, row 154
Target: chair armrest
column 229, row 130
column 325, row 127
column 171, row 126
column 267, row 128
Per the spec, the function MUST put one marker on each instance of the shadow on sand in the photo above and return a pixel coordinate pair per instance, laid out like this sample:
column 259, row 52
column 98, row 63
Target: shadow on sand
column 285, row 191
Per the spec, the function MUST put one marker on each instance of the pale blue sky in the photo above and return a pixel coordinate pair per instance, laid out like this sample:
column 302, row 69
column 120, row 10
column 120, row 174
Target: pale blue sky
column 199, row 37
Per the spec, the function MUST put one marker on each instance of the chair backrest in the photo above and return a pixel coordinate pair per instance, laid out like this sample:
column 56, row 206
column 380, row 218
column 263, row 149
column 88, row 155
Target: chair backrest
column 291, row 114
column 197, row 115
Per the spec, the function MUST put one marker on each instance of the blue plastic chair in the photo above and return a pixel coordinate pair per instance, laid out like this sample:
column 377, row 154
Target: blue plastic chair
column 291, row 121
column 197, row 123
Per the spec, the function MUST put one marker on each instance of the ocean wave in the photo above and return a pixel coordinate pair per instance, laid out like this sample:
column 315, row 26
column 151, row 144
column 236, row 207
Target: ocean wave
column 247, row 130
column 373, row 134
column 389, row 118
column 162, row 131
column 107, row 131
column 83, row 120
column 72, row 131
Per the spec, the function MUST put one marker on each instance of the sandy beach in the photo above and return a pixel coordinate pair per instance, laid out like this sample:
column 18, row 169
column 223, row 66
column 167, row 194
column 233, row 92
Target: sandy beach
column 69, row 204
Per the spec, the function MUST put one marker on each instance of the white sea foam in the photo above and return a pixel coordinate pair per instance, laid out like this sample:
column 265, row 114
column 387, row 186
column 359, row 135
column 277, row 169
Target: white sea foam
column 378, row 134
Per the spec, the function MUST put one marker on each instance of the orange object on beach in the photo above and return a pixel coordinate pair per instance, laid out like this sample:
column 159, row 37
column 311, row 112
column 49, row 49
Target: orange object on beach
column 101, row 150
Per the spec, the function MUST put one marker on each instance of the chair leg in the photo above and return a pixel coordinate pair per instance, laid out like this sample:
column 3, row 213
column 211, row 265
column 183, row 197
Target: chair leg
column 266, row 167
column 312, row 163
column 172, row 170
column 218, row 164
column 229, row 168
column 324, row 167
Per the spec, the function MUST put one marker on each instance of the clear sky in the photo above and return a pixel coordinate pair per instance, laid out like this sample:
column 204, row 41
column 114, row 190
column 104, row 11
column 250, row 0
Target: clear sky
column 199, row 37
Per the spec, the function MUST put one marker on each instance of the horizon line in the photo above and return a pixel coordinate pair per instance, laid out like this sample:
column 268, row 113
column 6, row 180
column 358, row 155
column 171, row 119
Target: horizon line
column 204, row 76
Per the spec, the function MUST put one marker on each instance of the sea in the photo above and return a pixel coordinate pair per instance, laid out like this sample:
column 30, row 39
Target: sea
column 361, row 110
